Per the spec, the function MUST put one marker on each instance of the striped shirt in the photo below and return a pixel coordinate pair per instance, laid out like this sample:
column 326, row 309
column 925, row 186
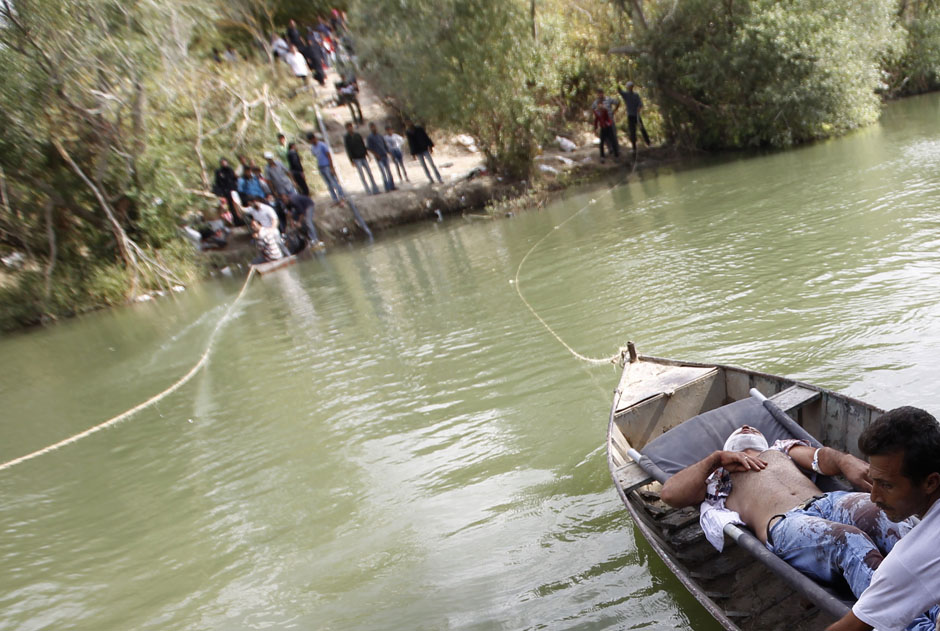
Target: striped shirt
column 268, row 243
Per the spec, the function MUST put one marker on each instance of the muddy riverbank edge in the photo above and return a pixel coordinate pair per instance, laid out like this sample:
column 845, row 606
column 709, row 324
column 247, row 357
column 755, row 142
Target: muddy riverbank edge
column 483, row 196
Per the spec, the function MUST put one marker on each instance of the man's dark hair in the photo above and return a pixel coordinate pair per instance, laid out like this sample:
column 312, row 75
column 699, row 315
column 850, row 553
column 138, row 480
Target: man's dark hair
column 913, row 432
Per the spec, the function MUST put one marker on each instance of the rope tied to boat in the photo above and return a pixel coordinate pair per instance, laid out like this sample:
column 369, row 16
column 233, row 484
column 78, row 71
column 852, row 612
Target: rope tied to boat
column 179, row 383
column 618, row 357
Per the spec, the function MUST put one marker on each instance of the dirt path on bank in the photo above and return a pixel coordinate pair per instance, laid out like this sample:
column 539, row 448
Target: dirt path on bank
column 418, row 199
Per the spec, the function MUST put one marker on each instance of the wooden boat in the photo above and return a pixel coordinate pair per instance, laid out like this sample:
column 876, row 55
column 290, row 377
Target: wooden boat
column 653, row 396
column 272, row 266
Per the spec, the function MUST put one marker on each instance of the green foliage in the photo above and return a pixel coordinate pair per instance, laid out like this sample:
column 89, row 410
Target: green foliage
column 915, row 67
column 511, row 73
column 762, row 72
column 468, row 64
column 143, row 119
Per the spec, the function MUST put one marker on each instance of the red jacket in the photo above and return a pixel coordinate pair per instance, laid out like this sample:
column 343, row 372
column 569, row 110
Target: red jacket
column 602, row 117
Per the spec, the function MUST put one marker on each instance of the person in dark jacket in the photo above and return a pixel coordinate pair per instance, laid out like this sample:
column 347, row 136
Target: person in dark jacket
column 347, row 93
column 302, row 209
column 379, row 150
column 296, row 168
column 421, row 146
column 359, row 156
column 225, row 183
column 634, row 104
column 314, row 56
column 293, row 35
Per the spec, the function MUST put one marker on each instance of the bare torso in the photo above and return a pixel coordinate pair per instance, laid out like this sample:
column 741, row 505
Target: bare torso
column 759, row 495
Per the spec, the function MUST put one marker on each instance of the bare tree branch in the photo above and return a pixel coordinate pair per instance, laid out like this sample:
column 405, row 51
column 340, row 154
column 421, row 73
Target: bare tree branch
column 120, row 236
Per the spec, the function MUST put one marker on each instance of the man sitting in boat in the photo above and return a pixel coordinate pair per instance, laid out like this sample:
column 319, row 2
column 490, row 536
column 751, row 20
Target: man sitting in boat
column 824, row 535
column 267, row 240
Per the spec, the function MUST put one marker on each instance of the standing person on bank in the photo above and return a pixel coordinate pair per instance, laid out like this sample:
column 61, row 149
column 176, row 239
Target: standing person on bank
column 604, row 109
column 394, row 143
column 421, row 146
column 302, row 208
column 359, row 156
column 278, row 176
column 325, row 166
column 280, row 150
column 379, row 150
column 634, row 104
column 903, row 448
column 297, row 169
column 298, row 65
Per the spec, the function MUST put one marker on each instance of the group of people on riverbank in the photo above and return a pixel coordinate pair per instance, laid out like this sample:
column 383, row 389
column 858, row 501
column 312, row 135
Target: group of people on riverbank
column 275, row 202
column 604, row 109
column 386, row 149
column 277, row 198
column 272, row 196
column 320, row 46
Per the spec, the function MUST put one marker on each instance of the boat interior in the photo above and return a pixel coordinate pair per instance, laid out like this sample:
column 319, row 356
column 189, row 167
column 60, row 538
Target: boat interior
column 656, row 395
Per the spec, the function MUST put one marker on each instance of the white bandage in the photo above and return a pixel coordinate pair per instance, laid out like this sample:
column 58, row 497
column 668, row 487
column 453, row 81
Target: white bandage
column 739, row 441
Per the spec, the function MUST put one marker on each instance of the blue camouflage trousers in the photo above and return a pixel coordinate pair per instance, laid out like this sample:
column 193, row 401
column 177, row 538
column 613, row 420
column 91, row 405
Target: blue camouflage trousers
column 841, row 534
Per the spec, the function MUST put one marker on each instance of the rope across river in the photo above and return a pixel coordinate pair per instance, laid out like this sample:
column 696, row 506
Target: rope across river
column 149, row 402
column 204, row 358
column 613, row 359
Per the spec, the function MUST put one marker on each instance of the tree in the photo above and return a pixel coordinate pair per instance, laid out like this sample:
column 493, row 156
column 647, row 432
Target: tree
column 467, row 64
column 914, row 67
column 762, row 72
column 504, row 71
column 74, row 118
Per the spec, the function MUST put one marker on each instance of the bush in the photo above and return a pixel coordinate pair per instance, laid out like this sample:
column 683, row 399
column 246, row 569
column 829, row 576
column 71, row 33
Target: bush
column 915, row 67
column 765, row 73
column 492, row 68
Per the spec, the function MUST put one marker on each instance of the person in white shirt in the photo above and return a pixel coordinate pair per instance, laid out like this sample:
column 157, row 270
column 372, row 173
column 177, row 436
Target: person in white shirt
column 903, row 447
column 265, row 215
column 298, row 64
column 395, row 142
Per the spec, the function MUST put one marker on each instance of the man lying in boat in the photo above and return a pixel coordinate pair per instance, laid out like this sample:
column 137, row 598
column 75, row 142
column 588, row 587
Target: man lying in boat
column 824, row 535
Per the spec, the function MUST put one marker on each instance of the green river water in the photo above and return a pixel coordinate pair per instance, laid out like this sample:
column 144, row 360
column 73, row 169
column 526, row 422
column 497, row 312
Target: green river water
column 385, row 438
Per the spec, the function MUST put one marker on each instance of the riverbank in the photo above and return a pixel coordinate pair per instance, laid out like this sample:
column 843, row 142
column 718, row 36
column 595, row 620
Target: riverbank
column 480, row 196
column 467, row 188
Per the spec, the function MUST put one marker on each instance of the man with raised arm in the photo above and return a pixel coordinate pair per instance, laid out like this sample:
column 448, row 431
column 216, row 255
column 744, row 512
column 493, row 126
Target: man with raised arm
column 824, row 535
column 903, row 447
column 634, row 104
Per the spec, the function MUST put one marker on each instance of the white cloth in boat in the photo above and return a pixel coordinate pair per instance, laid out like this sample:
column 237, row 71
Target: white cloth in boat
column 713, row 515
